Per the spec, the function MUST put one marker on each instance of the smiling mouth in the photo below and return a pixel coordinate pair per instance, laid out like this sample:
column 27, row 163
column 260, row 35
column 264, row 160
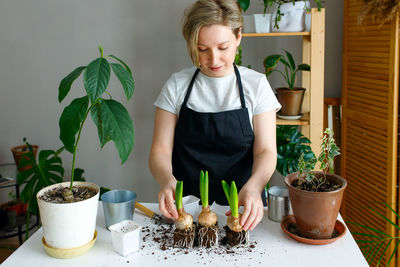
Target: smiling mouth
column 216, row 68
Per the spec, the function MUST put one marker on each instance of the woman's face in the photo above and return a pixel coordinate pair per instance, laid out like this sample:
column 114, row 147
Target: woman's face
column 217, row 49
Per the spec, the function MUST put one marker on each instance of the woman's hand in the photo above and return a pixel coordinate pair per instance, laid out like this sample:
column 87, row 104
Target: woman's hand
column 166, row 198
column 253, row 211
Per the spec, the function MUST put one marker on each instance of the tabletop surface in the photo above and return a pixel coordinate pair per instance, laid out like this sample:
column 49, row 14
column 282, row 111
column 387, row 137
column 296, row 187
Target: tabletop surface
column 269, row 246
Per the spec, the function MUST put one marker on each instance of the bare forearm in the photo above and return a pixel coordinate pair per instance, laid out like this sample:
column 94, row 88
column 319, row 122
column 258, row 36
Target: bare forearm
column 161, row 168
column 263, row 167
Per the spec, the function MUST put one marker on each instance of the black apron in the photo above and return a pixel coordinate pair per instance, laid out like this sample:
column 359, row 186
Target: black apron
column 219, row 142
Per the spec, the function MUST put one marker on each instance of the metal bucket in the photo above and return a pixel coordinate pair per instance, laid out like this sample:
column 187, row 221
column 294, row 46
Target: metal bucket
column 118, row 205
column 278, row 203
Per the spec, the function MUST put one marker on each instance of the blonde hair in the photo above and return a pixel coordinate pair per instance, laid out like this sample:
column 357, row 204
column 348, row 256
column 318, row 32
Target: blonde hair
column 208, row 13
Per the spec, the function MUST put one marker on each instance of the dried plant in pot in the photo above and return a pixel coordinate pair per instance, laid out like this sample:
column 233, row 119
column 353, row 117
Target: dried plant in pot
column 185, row 230
column 68, row 210
column 290, row 97
column 235, row 234
column 208, row 229
column 316, row 196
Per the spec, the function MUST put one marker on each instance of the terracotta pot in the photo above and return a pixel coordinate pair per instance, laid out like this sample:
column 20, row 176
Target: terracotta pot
column 19, row 151
column 18, row 207
column 291, row 100
column 315, row 212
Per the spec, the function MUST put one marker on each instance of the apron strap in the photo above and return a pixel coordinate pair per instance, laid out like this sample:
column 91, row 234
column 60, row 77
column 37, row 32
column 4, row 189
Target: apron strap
column 239, row 81
column 189, row 90
column 238, row 78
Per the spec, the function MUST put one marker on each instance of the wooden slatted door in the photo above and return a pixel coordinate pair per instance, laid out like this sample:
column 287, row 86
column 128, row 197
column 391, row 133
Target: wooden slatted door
column 370, row 108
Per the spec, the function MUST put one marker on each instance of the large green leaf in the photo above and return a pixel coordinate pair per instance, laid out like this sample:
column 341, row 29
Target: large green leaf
column 244, row 4
column 114, row 123
column 291, row 61
column 122, row 62
column 125, row 78
column 291, row 144
column 65, row 85
column 96, row 78
column 48, row 170
column 70, row 121
column 270, row 63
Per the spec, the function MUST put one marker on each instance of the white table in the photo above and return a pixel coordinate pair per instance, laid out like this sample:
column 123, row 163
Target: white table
column 273, row 248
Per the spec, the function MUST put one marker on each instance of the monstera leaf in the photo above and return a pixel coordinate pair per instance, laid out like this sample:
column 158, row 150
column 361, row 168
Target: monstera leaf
column 46, row 171
column 291, row 144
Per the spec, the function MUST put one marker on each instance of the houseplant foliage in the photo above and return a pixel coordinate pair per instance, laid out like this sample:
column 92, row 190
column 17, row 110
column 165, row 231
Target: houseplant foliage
column 111, row 118
column 290, row 97
column 316, row 195
column 374, row 243
column 69, row 220
column 244, row 4
column 291, row 144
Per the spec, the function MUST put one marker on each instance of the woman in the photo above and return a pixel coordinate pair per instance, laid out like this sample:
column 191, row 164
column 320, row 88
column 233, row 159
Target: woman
column 216, row 117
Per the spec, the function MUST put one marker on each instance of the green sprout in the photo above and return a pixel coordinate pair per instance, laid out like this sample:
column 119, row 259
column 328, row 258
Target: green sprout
column 204, row 188
column 232, row 197
column 178, row 195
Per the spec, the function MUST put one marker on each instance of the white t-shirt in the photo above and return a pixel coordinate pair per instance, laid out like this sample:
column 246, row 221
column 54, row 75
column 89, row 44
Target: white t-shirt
column 210, row 94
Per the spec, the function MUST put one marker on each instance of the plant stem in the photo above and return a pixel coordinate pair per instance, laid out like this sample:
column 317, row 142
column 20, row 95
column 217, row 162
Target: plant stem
column 178, row 195
column 77, row 141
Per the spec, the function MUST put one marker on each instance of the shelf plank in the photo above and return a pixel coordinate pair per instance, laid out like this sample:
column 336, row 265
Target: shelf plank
column 305, row 120
column 276, row 34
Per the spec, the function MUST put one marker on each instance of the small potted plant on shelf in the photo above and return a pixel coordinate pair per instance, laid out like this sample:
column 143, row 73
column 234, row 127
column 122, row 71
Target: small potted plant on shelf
column 68, row 210
column 235, row 234
column 185, row 230
column 286, row 15
column 316, row 196
column 208, row 231
column 290, row 97
column 22, row 151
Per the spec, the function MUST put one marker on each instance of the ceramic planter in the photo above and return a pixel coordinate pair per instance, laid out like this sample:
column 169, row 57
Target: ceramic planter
column 293, row 19
column 291, row 100
column 125, row 237
column 315, row 212
column 68, row 225
column 19, row 152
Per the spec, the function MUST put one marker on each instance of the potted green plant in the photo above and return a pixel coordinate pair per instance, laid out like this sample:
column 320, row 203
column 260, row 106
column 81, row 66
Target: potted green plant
column 287, row 15
column 290, row 97
column 68, row 210
column 21, row 152
column 316, row 196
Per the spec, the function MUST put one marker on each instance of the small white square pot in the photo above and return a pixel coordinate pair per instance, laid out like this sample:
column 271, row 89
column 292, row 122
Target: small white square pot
column 125, row 237
column 262, row 22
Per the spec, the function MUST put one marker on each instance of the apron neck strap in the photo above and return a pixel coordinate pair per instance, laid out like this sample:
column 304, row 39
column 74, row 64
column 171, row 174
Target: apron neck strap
column 238, row 79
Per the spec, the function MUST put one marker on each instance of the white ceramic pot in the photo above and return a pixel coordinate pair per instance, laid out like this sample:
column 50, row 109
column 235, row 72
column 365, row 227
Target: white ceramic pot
column 293, row 19
column 68, row 225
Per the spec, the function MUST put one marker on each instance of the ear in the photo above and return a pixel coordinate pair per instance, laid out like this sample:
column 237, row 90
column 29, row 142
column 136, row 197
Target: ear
column 239, row 37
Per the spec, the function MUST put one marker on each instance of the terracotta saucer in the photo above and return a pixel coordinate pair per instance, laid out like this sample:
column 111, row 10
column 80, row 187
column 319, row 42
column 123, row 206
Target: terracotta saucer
column 340, row 231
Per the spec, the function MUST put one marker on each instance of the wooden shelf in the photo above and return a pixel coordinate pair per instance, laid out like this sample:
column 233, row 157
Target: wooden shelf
column 276, row 34
column 313, row 53
column 305, row 120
